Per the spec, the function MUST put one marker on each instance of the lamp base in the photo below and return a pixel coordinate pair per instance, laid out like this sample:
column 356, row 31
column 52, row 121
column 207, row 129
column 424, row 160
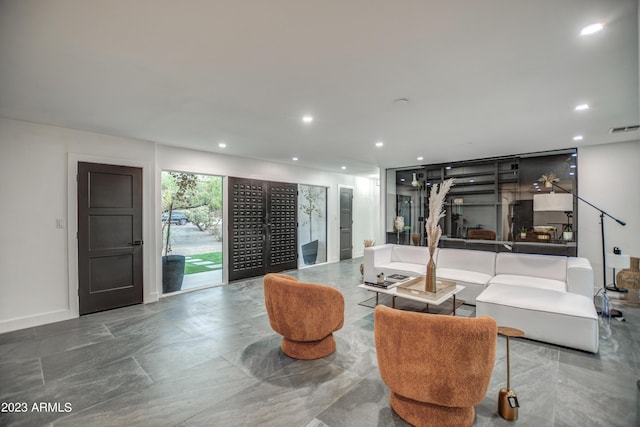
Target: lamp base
column 614, row 288
column 606, row 310
column 614, row 313
column 508, row 404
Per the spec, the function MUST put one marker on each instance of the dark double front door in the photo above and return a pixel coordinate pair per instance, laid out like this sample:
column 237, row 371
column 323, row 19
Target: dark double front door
column 262, row 227
column 109, row 236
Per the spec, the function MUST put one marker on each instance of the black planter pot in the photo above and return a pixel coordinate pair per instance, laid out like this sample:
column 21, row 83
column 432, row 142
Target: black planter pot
column 172, row 273
column 310, row 252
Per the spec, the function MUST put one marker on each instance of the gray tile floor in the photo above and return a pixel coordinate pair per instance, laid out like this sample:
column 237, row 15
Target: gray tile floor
column 209, row 358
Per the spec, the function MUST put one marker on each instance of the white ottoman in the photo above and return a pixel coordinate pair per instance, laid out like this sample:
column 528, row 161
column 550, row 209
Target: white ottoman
column 556, row 317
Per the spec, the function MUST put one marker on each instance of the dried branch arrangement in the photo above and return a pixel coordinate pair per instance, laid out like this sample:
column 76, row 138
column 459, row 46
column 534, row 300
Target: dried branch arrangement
column 436, row 213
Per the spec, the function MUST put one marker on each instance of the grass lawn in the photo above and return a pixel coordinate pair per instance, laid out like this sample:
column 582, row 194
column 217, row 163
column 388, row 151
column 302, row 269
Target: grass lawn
column 214, row 257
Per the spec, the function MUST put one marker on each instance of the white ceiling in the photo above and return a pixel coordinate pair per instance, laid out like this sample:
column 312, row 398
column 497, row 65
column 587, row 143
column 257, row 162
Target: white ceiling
column 482, row 77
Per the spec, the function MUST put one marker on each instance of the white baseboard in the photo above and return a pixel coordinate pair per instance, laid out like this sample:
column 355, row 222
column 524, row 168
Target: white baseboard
column 35, row 320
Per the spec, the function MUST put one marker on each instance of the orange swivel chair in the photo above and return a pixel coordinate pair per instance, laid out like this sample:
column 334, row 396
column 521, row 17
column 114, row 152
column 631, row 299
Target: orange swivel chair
column 437, row 367
column 305, row 314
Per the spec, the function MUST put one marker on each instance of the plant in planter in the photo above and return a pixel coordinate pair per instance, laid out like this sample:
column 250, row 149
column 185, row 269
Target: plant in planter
column 567, row 233
column 173, row 265
column 311, row 196
column 523, row 232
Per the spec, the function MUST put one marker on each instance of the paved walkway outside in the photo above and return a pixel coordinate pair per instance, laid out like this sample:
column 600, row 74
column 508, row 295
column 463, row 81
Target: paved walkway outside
column 189, row 240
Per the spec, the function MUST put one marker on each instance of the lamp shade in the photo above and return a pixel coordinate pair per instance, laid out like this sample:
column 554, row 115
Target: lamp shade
column 618, row 261
column 562, row 202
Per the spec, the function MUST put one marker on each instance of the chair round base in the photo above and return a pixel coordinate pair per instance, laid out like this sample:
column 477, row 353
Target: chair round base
column 308, row 350
column 422, row 414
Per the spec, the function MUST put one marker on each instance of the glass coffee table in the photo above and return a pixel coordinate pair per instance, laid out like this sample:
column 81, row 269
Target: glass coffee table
column 422, row 297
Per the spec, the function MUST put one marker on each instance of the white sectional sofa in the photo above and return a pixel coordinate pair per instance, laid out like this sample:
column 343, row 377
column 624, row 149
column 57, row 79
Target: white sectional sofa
column 549, row 297
column 473, row 269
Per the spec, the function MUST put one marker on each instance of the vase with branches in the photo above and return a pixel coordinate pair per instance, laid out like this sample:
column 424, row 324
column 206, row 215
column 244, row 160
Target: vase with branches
column 549, row 179
column 434, row 231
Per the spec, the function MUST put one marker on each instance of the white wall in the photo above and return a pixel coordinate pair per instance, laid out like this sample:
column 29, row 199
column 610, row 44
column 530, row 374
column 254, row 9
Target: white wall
column 366, row 213
column 609, row 178
column 38, row 270
column 37, row 283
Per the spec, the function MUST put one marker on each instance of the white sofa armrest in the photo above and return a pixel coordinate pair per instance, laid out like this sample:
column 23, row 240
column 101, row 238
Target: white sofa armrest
column 580, row 276
column 375, row 255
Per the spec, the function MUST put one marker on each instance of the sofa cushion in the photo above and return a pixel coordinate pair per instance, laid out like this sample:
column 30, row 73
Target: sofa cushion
column 462, row 276
column 463, row 259
column 410, row 254
column 545, row 266
column 532, row 282
column 562, row 318
column 473, row 282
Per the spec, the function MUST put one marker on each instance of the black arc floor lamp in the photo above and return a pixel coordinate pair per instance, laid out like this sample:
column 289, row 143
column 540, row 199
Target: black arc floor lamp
column 605, row 310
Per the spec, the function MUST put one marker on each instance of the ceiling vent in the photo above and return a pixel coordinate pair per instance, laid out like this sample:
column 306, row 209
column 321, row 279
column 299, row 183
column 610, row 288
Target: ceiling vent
column 624, row 129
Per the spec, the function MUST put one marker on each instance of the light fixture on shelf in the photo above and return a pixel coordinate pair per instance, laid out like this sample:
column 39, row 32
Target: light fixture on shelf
column 553, row 202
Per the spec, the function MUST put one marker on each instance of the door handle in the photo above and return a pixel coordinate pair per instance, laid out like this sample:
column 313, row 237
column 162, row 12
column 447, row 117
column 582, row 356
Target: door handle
column 137, row 243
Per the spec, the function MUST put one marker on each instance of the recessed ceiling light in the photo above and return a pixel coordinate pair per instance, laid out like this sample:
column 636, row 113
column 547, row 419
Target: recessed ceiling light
column 343, row 167
column 448, row 168
column 307, row 118
column 379, row 144
column 472, row 180
column 574, row 155
column 222, row 145
column 295, row 159
column 591, row 29
column 420, row 158
column 402, row 179
column 572, row 166
column 577, row 138
column 582, row 107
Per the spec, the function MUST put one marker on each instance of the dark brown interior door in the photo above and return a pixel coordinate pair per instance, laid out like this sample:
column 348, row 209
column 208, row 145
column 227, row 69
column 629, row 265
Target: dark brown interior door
column 109, row 236
column 346, row 223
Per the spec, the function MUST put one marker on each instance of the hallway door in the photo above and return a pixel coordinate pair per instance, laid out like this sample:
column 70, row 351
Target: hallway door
column 346, row 223
column 109, row 236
